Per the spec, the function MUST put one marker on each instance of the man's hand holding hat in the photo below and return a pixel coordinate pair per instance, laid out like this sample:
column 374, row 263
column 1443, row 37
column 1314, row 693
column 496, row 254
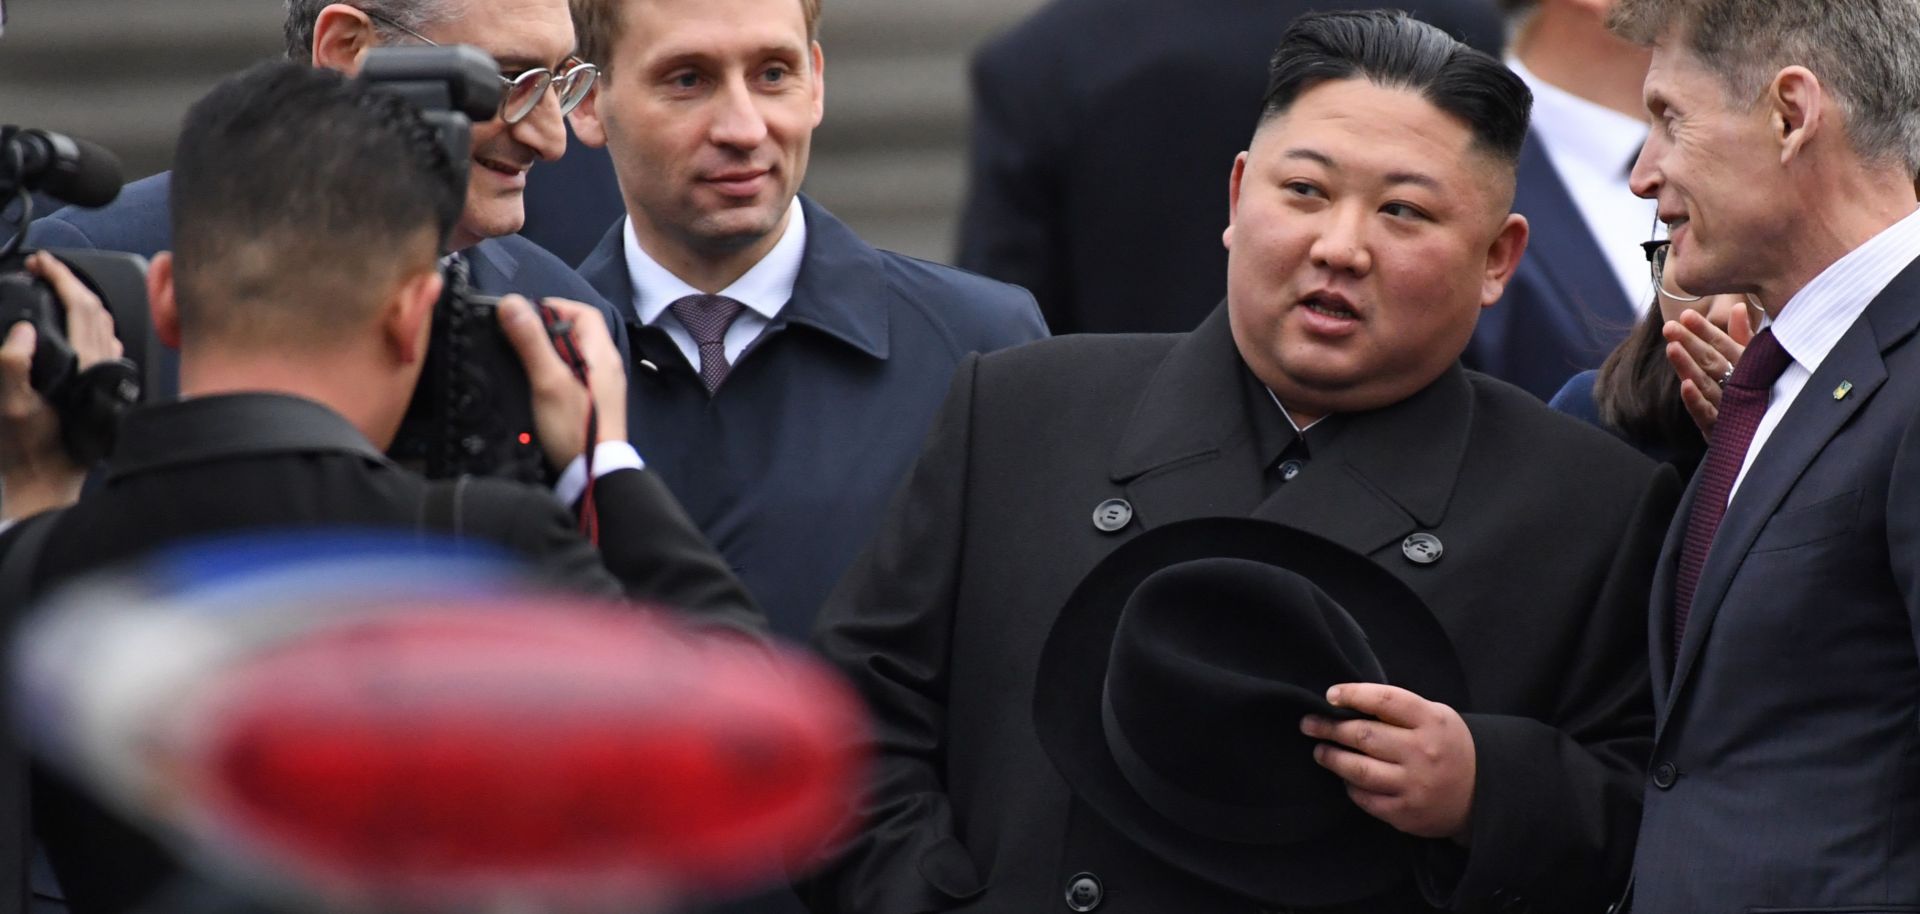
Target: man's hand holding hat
column 1411, row 766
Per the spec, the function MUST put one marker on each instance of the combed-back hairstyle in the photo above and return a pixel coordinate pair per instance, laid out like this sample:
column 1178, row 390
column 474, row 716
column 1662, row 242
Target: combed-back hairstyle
column 599, row 25
column 418, row 15
column 1866, row 54
column 1394, row 50
column 299, row 196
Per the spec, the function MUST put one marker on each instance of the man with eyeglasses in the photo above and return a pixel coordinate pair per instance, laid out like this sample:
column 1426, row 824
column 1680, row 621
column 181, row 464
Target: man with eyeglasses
column 533, row 41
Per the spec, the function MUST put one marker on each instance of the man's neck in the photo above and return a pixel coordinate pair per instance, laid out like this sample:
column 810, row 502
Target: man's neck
column 1869, row 202
column 709, row 270
column 1572, row 50
column 340, row 384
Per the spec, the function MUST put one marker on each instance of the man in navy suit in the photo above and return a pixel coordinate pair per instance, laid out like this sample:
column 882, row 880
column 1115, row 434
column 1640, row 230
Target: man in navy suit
column 521, row 35
column 1583, row 282
column 784, row 371
column 1786, row 766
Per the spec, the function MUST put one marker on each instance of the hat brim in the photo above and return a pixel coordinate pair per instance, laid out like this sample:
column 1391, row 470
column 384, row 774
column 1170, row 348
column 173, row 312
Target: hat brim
column 1353, row 858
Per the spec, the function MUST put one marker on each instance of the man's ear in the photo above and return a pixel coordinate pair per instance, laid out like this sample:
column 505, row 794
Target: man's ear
column 1503, row 257
column 408, row 320
column 1797, row 104
column 162, row 305
column 342, row 36
column 585, row 117
column 1234, row 178
column 819, row 84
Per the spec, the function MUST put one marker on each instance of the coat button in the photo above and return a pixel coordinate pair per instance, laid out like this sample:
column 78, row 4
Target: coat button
column 1422, row 548
column 1111, row 515
column 1664, row 774
column 1290, row 469
column 1084, row 892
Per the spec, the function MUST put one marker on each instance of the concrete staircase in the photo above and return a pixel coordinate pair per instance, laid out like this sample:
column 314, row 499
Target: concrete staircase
column 890, row 158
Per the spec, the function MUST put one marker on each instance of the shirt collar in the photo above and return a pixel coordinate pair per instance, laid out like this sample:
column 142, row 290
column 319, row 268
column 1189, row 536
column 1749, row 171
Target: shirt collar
column 1579, row 131
column 1815, row 318
column 764, row 289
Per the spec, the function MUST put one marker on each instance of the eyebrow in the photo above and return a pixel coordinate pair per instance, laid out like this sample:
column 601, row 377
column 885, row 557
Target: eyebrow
column 1393, row 177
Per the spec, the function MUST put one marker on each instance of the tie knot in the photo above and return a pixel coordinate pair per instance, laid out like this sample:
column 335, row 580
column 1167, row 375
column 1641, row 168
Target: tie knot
column 1762, row 363
column 706, row 317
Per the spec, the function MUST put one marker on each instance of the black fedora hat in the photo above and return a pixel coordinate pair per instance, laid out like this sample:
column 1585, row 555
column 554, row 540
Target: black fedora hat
column 1170, row 690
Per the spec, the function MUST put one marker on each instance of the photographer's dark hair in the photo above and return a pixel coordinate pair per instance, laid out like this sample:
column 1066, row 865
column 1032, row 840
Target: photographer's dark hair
column 299, row 195
column 1394, row 50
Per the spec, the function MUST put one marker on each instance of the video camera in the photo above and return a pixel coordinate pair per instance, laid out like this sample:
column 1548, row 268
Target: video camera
column 472, row 412
column 90, row 403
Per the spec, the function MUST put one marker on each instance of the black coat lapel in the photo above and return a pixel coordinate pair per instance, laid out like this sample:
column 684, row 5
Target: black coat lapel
column 1187, row 451
column 1391, row 471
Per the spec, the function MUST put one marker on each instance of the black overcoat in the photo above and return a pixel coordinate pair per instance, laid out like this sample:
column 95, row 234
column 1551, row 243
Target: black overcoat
column 1550, row 530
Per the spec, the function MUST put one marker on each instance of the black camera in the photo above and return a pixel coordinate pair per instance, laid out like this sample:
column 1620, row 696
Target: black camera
column 472, row 412
column 90, row 402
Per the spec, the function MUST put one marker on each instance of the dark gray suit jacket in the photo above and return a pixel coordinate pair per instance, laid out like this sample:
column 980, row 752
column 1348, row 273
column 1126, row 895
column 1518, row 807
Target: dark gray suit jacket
column 1550, row 530
column 1786, row 767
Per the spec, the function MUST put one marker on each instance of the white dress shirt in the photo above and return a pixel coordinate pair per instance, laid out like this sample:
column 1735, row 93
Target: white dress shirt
column 1592, row 148
column 1815, row 318
column 764, row 290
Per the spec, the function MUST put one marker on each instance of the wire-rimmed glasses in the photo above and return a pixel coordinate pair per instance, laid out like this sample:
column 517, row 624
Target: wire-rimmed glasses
column 523, row 92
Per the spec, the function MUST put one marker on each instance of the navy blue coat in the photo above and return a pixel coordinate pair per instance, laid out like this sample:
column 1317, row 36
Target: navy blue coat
column 787, row 468
column 1563, row 310
column 138, row 223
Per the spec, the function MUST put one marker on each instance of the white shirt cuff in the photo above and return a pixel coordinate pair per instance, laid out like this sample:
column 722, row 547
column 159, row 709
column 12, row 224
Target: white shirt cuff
column 608, row 456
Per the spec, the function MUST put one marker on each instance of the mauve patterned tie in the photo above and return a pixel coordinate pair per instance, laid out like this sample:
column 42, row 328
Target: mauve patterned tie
column 707, row 317
column 1743, row 401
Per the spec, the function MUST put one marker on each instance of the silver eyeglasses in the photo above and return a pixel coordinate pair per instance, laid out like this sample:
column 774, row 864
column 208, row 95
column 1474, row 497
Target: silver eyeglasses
column 523, row 92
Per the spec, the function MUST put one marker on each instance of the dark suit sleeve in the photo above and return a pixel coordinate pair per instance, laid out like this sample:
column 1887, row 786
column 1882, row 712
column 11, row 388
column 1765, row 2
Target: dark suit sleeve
column 1011, row 228
column 1556, row 804
column 888, row 627
column 649, row 550
column 659, row 556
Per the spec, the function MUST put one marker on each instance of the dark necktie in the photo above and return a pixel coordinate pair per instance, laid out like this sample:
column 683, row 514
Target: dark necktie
column 1743, row 401
column 707, row 318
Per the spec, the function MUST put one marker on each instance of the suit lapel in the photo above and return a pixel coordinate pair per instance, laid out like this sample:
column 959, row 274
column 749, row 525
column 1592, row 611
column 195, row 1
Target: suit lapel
column 1565, row 250
column 492, row 265
column 606, row 271
column 1812, row 421
column 1186, row 451
column 1660, row 601
column 1390, row 472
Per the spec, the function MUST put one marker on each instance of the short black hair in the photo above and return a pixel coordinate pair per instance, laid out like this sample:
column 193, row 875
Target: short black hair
column 1395, row 50
column 294, row 188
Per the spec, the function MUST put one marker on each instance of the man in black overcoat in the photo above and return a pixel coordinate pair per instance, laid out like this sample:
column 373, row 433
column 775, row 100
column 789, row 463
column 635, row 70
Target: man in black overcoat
column 1371, row 221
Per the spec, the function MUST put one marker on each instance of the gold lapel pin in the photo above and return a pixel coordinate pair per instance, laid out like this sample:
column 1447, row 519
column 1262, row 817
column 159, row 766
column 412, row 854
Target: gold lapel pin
column 1840, row 393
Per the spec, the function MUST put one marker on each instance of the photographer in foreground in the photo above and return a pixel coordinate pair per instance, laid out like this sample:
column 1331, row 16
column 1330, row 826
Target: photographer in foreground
column 300, row 300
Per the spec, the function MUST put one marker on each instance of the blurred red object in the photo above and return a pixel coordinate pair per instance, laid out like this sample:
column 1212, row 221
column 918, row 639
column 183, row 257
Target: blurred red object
column 591, row 756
